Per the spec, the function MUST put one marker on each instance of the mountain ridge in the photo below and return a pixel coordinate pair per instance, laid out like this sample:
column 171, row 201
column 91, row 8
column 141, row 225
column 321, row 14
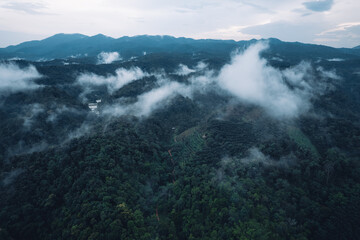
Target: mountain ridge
column 62, row 46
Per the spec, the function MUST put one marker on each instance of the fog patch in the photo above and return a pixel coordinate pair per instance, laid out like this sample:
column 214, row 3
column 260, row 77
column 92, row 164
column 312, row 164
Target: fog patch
column 201, row 66
column 81, row 131
column 277, row 59
column 148, row 102
column 282, row 93
column 22, row 148
column 9, row 177
column 335, row 60
column 255, row 156
column 183, row 70
column 15, row 79
column 203, row 83
column 54, row 114
column 31, row 113
column 326, row 75
column 113, row 82
column 108, row 57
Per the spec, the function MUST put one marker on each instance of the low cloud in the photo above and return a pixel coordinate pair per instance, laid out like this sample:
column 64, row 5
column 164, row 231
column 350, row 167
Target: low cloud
column 31, row 113
column 113, row 82
column 15, row 79
column 148, row 102
column 10, row 177
column 283, row 94
column 108, row 57
column 255, row 156
column 22, row 148
column 184, row 70
column 335, row 60
column 54, row 114
column 81, row 131
column 319, row 6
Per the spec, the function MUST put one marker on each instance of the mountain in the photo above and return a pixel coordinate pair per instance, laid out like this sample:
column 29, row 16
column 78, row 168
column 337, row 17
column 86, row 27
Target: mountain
column 62, row 46
column 192, row 140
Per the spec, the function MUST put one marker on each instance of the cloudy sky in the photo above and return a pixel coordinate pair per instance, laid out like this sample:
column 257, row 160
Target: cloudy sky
column 329, row 22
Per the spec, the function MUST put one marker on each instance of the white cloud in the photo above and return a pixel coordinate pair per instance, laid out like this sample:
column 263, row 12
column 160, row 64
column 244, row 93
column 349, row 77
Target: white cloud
column 113, row 82
column 108, row 57
column 184, row 70
column 14, row 79
column 202, row 19
column 150, row 101
column 255, row 156
column 31, row 113
column 283, row 94
column 340, row 28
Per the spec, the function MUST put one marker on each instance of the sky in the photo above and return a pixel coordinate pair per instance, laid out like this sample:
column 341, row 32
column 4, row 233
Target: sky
column 334, row 23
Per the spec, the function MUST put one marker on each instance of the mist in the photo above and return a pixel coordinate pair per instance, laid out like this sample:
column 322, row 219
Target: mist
column 113, row 82
column 14, row 79
column 108, row 57
column 255, row 156
column 150, row 101
column 249, row 78
column 31, row 114
column 282, row 93
column 10, row 177
column 183, row 70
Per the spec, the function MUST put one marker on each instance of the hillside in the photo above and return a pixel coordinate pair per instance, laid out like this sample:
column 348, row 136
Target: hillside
column 65, row 46
column 187, row 139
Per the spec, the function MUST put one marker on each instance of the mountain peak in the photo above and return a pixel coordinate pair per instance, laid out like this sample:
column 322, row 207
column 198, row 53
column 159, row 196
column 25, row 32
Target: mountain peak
column 100, row 36
column 65, row 37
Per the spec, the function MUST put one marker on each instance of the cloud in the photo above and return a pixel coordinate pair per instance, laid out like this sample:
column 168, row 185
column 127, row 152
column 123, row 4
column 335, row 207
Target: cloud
column 286, row 30
column 319, row 6
column 26, row 7
column 32, row 111
column 14, row 79
column 22, row 148
column 10, row 177
column 283, row 94
column 53, row 115
column 108, row 57
column 335, row 60
column 83, row 130
column 328, row 74
column 232, row 32
column 255, row 156
column 148, row 102
column 345, row 33
column 113, row 82
column 184, row 70
column 249, row 78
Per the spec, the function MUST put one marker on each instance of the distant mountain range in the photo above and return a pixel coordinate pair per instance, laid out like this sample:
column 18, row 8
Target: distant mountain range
column 62, row 46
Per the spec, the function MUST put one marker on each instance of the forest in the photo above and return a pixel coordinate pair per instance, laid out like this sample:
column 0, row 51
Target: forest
column 177, row 151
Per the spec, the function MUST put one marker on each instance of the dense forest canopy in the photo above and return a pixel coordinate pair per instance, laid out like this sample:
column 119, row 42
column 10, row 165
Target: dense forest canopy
column 171, row 138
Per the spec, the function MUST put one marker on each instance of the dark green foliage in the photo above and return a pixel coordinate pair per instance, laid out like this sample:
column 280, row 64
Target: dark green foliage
column 199, row 168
